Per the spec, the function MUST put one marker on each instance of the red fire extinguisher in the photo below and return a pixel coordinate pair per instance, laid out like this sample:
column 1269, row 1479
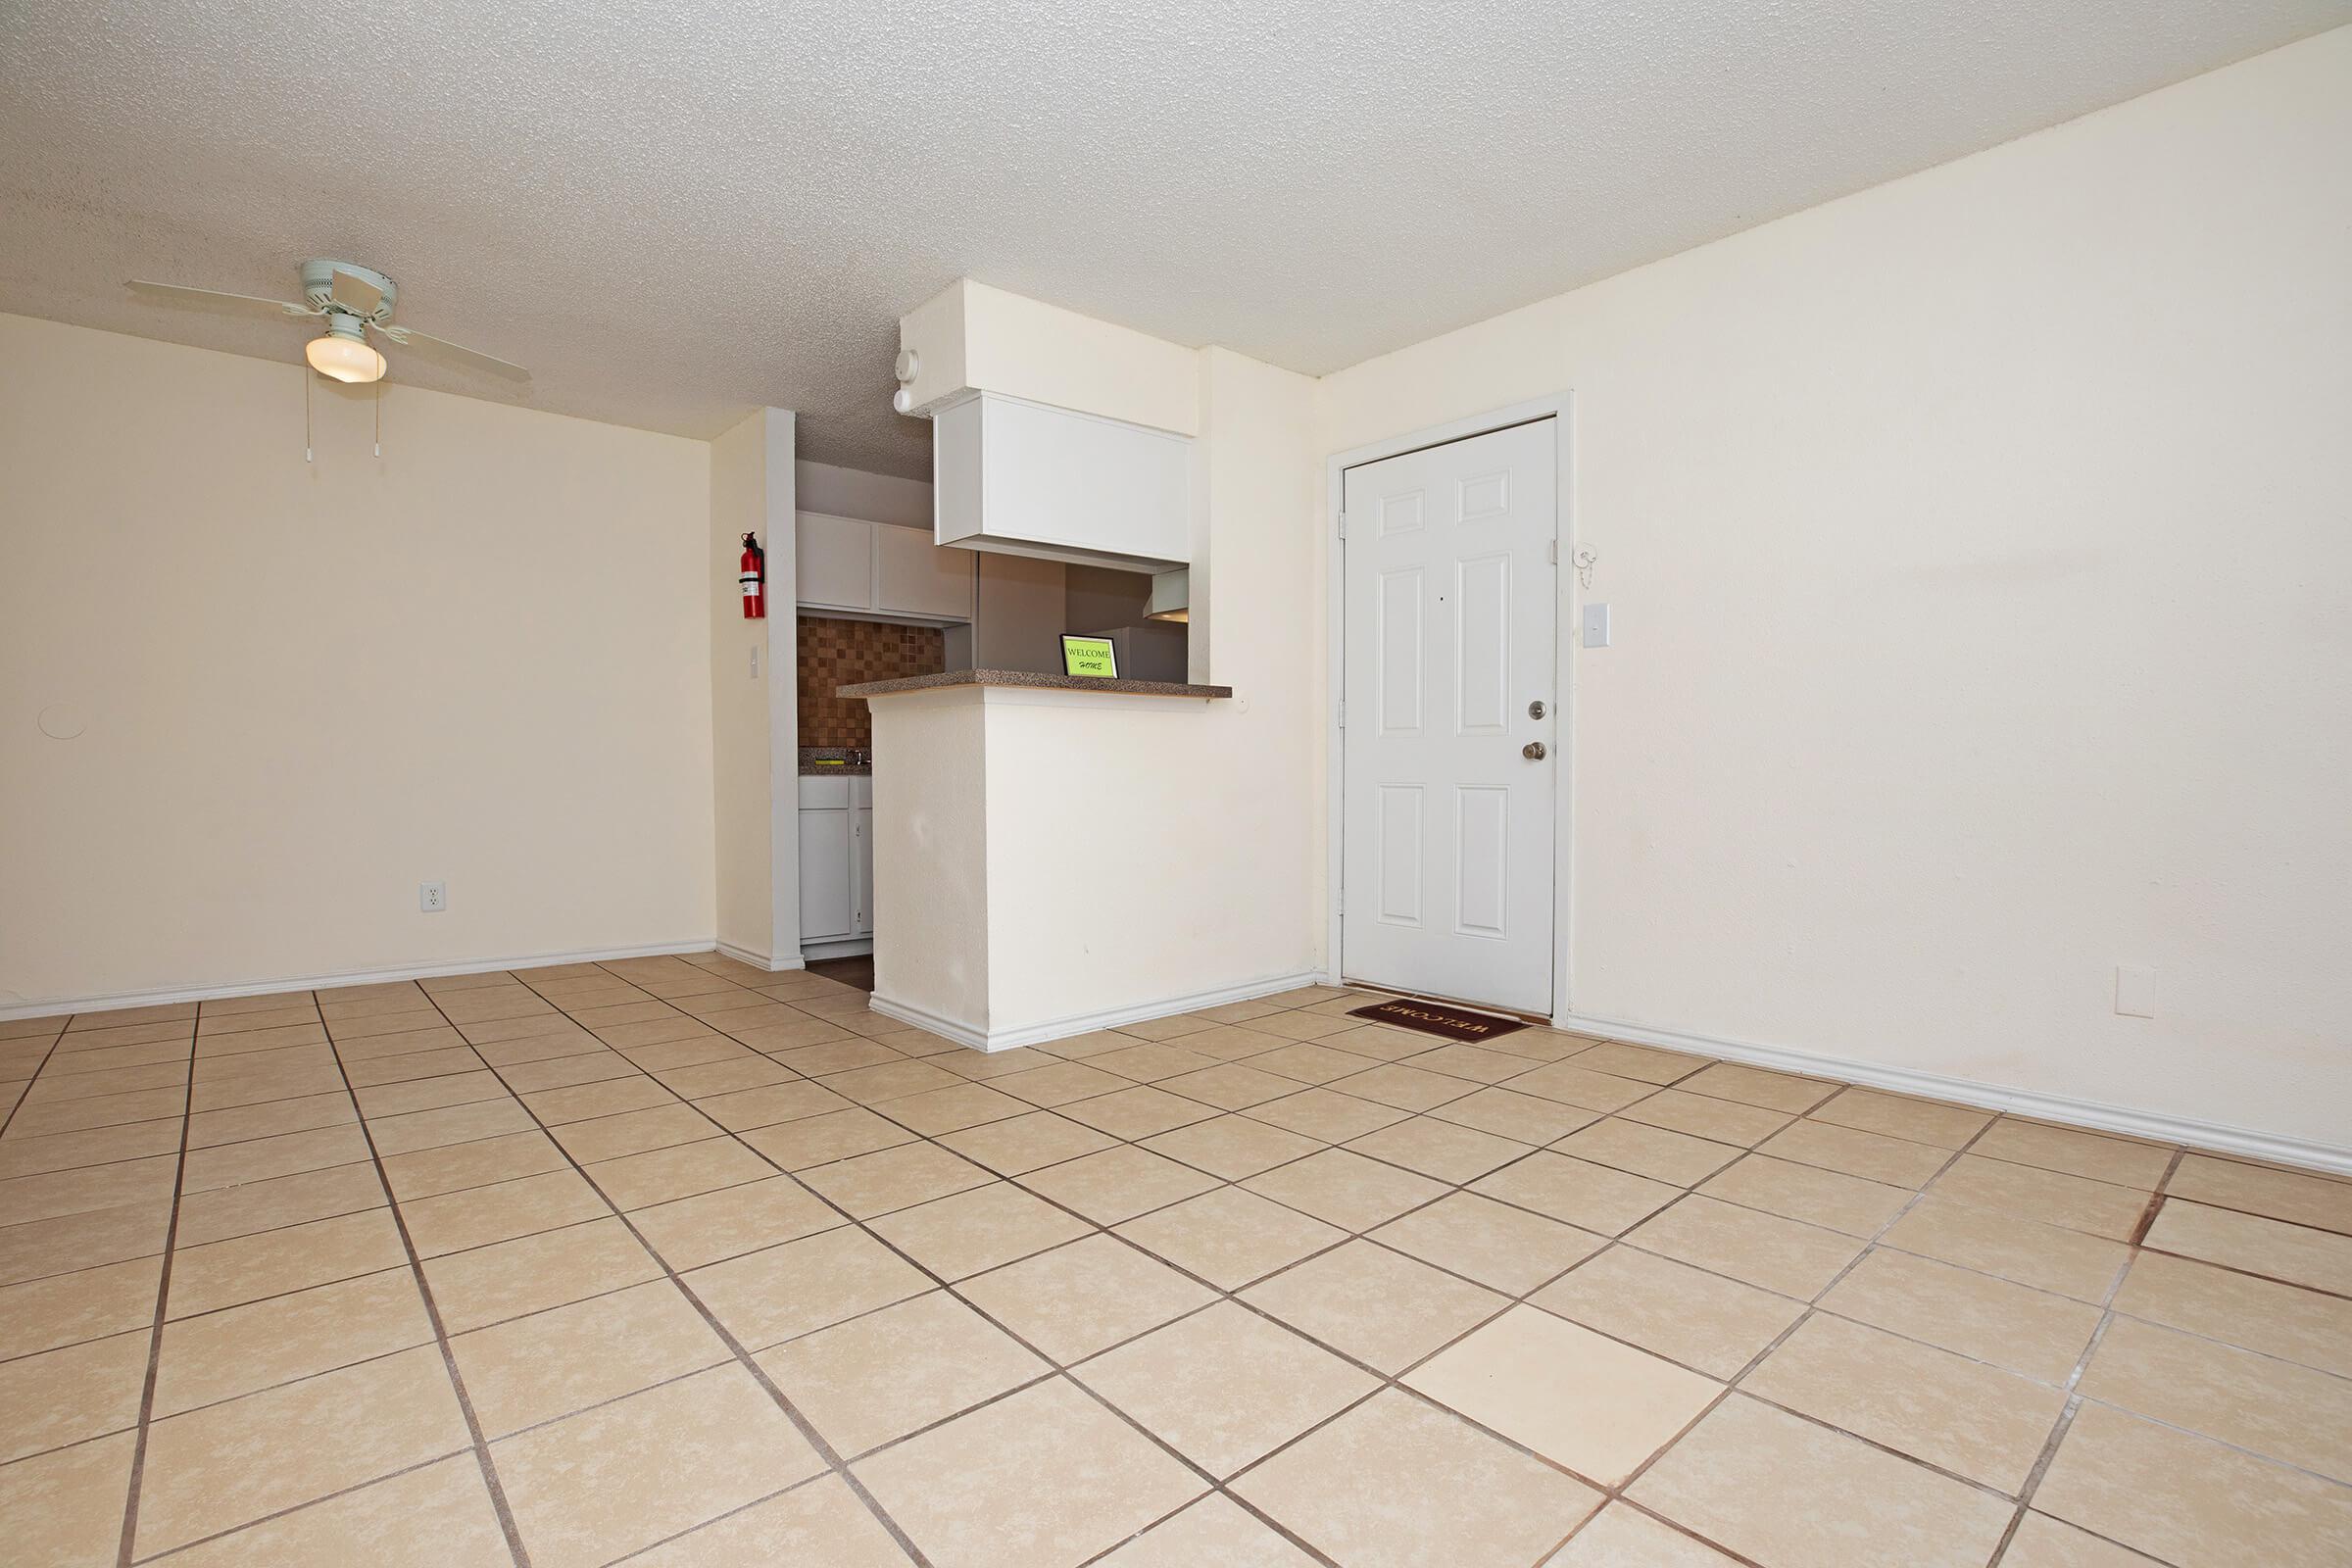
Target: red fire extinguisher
column 754, row 578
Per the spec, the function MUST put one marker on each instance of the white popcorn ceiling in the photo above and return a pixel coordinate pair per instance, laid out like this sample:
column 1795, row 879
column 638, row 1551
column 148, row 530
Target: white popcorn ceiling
column 673, row 211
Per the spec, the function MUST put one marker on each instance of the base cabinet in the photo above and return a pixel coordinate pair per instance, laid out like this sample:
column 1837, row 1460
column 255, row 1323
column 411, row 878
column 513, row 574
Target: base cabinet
column 837, row 858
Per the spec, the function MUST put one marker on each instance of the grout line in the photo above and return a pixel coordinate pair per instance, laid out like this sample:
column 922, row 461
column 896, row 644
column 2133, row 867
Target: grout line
column 449, row 1360
column 155, row 1348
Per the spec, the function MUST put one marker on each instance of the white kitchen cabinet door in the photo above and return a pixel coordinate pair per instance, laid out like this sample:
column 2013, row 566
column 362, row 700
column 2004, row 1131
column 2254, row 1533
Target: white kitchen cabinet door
column 828, row 867
column 1030, row 479
column 835, row 558
column 861, row 871
column 913, row 576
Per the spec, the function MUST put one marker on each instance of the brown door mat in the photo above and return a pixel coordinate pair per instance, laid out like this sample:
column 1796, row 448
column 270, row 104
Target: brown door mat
column 1438, row 1018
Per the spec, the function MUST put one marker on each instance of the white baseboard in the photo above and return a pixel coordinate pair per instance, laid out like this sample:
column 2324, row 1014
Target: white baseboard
column 758, row 961
column 1037, row 1034
column 351, row 977
column 2156, row 1126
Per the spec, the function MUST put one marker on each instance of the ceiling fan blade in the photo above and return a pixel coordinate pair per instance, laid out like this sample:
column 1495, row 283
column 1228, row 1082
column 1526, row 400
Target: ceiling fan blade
column 356, row 294
column 455, row 352
column 212, row 299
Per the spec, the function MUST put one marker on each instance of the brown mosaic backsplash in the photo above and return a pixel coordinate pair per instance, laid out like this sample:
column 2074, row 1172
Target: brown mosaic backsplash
column 840, row 653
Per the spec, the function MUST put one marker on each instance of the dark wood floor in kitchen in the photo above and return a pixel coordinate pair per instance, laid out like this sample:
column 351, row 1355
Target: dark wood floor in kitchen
column 858, row 971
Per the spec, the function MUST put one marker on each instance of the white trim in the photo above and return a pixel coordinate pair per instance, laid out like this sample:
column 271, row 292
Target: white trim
column 1086, row 1022
column 2157, row 1126
column 350, row 977
column 835, row 948
column 758, row 961
column 1559, row 407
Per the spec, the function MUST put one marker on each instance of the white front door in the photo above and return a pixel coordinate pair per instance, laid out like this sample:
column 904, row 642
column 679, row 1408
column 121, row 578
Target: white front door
column 1446, row 821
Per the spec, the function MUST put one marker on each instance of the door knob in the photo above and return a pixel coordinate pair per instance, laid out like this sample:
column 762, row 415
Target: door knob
column 1534, row 750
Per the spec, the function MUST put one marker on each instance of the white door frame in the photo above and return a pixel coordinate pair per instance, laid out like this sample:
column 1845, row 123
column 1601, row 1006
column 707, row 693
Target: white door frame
column 1558, row 406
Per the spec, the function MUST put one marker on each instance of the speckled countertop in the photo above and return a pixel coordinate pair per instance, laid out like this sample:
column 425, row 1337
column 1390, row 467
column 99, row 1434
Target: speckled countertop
column 1030, row 678
column 818, row 761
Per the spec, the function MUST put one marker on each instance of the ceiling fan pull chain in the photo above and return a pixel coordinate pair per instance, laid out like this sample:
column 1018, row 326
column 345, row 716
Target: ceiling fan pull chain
column 306, row 414
column 380, row 418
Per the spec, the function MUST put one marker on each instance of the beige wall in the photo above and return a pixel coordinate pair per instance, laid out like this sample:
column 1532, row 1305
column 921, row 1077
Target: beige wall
column 307, row 688
column 1979, row 551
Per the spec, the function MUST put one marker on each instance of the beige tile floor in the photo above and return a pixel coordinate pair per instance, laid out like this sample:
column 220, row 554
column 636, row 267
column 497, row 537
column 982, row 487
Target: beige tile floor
column 676, row 1263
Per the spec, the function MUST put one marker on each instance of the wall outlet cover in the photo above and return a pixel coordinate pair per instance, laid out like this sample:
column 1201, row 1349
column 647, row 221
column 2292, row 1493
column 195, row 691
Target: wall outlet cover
column 432, row 896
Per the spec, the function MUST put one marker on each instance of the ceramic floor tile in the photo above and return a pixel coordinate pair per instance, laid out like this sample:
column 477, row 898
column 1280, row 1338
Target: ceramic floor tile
column 1442, row 1150
column 2297, row 1255
column 1346, row 1189
column 2124, row 1161
column 2290, row 1196
column 1722, row 1122
column 1576, row 1192
column 2212, row 1506
column 64, row 1508
column 1685, row 1314
column 634, row 1132
column 2272, row 1408
column 71, row 1395
column 1500, row 1246
column 247, row 1268
column 481, row 1215
column 1084, row 1298
column 1024, row 1143
column 533, row 1369
column 72, row 1241
column 2044, row 1257
column 1824, row 1198
column 1621, row 1536
column 945, row 1110
column 2282, row 1320
column 2010, row 1325
column 244, row 1349
column 1326, row 1113
column 1230, row 1237
column 836, row 1135
column 1117, row 1184
column 622, row 1476
column 1233, row 1146
column 1784, row 1255
column 682, row 1170
column 1045, row 1479
column 533, row 1273
column 768, row 1297
column 977, row 1230
column 1384, row 1309
column 87, row 1305
column 1657, row 1153
column 1522, row 1118
column 229, row 1464
column 1873, row 1157
column 1957, row 1414
column 1596, row 1407
column 689, row 1232
column 1924, row 1121
column 1225, row 1387
column 478, row 1164
column 1213, row 1529
column 881, row 1376
column 437, row 1516
column 2050, row 1197
column 1397, row 1484
column 2042, row 1541
column 867, row 1184
column 820, row 1522
column 1787, row 1493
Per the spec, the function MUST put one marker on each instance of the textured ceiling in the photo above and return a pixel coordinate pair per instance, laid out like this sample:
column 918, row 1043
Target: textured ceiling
column 673, row 212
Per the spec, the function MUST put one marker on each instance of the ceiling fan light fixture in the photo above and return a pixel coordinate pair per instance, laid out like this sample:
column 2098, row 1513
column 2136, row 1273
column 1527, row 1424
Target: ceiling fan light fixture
column 343, row 352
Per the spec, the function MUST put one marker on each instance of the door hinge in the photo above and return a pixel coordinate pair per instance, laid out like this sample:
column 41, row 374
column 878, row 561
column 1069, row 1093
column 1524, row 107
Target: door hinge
column 1338, row 902
column 1553, row 550
column 1342, row 524
column 1343, row 713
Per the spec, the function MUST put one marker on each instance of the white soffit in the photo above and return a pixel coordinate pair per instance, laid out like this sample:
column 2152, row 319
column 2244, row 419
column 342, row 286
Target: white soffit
column 675, row 211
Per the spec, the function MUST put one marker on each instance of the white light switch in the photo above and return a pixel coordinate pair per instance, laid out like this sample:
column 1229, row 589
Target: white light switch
column 2136, row 991
column 1597, row 626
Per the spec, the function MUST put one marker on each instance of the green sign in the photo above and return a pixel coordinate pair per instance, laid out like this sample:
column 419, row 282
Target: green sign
column 1090, row 656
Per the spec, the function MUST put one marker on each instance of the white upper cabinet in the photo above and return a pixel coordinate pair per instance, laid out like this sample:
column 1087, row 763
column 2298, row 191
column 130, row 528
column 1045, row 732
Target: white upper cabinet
column 1030, row 479
column 878, row 569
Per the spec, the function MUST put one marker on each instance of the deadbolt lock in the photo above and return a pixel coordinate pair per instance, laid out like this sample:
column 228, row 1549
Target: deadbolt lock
column 1534, row 709
column 1534, row 750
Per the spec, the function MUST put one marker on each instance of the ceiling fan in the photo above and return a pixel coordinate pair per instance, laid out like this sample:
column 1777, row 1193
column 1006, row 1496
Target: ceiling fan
column 354, row 299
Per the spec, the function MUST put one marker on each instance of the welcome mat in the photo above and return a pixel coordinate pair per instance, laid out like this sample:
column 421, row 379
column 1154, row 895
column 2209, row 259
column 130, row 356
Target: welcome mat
column 1437, row 1018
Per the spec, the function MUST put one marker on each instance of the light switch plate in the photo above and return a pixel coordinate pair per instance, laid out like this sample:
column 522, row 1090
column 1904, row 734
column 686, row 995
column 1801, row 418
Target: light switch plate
column 1597, row 627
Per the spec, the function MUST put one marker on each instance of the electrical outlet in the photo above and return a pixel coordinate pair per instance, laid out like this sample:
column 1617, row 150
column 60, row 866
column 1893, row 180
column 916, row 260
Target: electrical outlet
column 2135, row 990
column 432, row 896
